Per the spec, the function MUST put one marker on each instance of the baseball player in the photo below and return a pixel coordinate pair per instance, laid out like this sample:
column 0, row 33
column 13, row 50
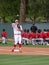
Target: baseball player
column 4, row 36
column 25, row 37
column 39, row 37
column 33, row 36
column 17, row 28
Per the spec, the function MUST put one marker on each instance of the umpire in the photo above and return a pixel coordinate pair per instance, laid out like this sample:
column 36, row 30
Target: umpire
column 33, row 28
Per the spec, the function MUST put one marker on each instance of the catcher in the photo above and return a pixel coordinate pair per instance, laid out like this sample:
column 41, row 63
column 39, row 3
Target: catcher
column 17, row 29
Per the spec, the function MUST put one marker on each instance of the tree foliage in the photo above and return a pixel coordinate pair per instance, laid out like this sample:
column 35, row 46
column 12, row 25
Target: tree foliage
column 35, row 9
column 38, row 8
column 9, row 7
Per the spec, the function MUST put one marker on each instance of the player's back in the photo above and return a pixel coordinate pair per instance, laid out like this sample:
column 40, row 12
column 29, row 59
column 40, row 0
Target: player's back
column 47, row 34
column 3, row 34
column 33, row 35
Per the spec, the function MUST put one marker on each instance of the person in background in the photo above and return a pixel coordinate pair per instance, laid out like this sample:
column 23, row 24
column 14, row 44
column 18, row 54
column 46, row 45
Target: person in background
column 33, row 28
column 25, row 37
column 46, row 37
column 4, row 37
column 39, row 37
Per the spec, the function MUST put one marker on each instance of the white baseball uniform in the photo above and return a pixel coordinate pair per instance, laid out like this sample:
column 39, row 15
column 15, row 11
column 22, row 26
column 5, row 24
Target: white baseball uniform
column 17, row 33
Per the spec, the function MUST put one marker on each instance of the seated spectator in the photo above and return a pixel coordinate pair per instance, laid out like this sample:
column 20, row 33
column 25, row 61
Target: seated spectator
column 44, row 35
column 47, row 37
column 25, row 37
column 39, row 37
column 33, row 36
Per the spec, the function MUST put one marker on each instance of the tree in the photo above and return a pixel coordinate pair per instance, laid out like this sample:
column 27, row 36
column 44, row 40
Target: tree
column 38, row 8
column 22, row 10
column 33, row 9
column 9, row 8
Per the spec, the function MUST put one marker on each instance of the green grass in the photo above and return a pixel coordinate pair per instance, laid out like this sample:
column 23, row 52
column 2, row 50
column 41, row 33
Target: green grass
column 10, row 43
column 23, row 60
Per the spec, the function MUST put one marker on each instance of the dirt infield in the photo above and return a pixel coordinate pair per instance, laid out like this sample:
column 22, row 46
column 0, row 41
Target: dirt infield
column 25, row 51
